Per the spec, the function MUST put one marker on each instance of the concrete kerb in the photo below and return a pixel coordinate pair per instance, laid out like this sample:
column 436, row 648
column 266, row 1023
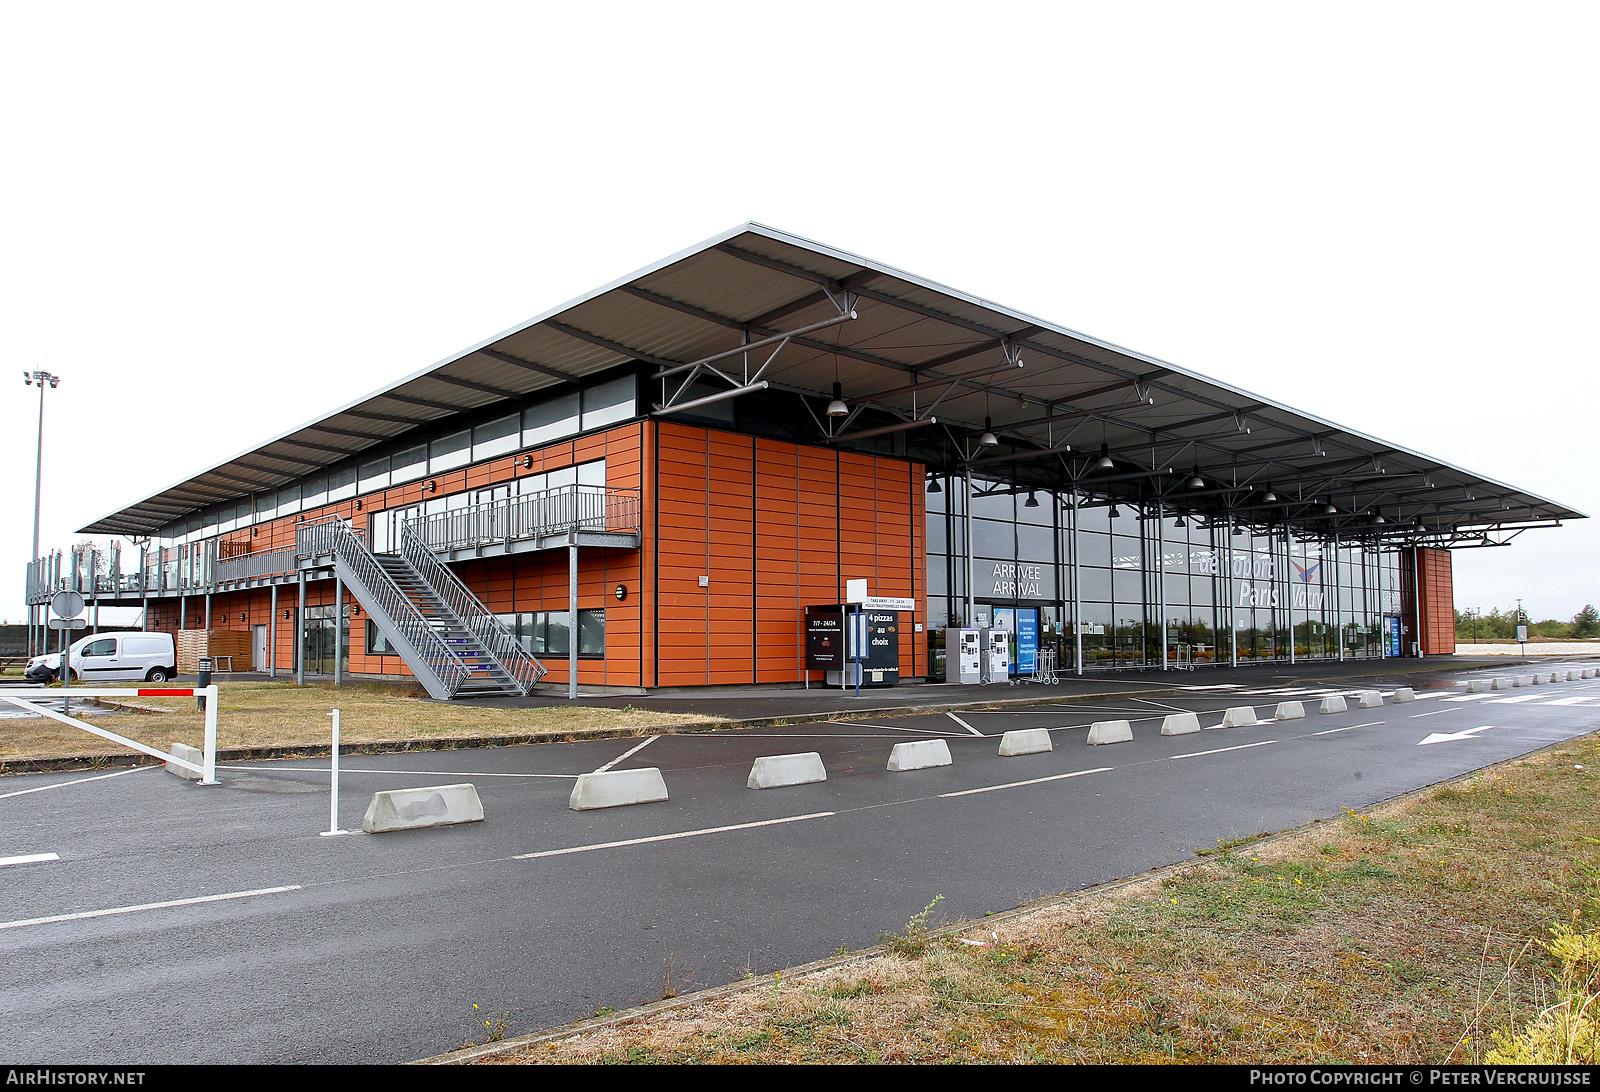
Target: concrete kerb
column 1025, row 741
column 1289, row 710
column 1179, row 724
column 617, row 789
column 918, row 754
column 777, row 771
column 1333, row 703
column 414, row 809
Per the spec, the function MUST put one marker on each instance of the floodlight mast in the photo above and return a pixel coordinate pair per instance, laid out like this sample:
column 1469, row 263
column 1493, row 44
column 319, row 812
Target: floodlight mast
column 41, row 378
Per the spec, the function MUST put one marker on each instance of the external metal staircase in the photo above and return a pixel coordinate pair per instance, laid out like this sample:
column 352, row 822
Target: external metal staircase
column 445, row 635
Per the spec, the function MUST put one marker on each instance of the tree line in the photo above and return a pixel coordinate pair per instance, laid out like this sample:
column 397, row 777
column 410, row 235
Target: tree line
column 1502, row 625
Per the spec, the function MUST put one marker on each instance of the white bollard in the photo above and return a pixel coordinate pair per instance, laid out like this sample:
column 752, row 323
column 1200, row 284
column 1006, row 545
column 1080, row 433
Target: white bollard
column 1179, row 724
column 1333, row 703
column 333, row 783
column 1110, row 731
column 1289, row 710
column 1025, row 741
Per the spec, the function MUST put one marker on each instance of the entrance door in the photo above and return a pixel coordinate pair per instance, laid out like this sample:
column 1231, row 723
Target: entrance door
column 317, row 640
column 258, row 648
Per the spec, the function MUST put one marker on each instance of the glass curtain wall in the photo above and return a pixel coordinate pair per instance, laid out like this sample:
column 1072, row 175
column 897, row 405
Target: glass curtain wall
column 1195, row 591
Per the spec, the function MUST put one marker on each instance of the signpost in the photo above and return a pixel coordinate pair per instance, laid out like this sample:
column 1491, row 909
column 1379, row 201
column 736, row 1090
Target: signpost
column 66, row 606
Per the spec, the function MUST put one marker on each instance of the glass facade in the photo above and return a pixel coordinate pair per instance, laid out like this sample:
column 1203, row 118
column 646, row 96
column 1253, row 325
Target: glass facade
column 1149, row 584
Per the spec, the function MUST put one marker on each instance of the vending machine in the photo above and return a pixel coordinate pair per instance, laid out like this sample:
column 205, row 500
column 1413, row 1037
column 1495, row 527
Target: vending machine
column 963, row 658
column 996, row 646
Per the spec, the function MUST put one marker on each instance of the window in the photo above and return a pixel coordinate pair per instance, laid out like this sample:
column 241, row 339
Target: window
column 550, row 420
column 609, row 402
column 496, row 438
column 106, row 646
column 377, row 643
column 545, row 633
column 449, row 452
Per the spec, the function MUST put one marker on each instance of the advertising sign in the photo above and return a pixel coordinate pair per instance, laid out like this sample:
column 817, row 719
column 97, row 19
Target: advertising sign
column 825, row 649
column 1027, row 643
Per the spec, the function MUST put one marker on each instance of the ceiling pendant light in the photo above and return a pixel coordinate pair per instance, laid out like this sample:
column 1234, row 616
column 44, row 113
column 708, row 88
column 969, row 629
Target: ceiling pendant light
column 1237, row 530
column 1195, row 480
column 988, row 439
column 1269, row 496
column 1179, row 522
column 1113, row 514
column 1104, row 461
column 934, row 486
column 1329, row 510
column 1378, row 518
column 837, row 408
column 1032, row 501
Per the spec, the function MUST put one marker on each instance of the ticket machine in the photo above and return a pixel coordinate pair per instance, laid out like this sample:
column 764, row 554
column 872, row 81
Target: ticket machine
column 996, row 649
column 963, row 659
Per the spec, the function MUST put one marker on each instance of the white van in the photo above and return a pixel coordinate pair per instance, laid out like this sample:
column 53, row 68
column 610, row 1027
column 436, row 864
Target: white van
column 102, row 657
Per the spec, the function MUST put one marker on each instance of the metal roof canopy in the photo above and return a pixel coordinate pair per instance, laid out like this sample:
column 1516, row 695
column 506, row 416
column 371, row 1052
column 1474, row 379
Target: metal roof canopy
column 759, row 309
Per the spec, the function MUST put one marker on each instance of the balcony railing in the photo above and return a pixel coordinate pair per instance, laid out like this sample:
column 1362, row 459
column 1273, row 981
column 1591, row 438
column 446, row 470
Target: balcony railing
column 595, row 508
column 195, row 568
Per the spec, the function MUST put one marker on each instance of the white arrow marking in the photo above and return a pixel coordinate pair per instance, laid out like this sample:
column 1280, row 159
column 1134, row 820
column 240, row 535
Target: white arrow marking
column 1440, row 737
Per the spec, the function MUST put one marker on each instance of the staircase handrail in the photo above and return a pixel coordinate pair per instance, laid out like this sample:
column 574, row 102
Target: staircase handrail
column 490, row 632
column 348, row 547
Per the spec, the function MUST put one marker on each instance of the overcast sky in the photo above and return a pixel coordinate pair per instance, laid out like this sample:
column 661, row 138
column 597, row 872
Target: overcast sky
column 219, row 221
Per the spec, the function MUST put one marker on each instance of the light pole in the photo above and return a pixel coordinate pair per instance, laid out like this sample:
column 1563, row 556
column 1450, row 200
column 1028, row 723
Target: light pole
column 41, row 378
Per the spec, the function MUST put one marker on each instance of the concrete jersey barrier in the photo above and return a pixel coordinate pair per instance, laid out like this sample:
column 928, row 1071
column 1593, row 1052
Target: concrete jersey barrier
column 1025, row 741
column 919, row 754
column 776, row 771
column 1110, row 731
column 1289, row 710
column 1179, row 724
column 617, row 789
column 412, row 809
column 1333, row 703
column 1240, row 716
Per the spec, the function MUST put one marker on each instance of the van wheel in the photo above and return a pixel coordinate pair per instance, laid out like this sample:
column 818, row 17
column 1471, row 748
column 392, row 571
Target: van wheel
column 157, row 674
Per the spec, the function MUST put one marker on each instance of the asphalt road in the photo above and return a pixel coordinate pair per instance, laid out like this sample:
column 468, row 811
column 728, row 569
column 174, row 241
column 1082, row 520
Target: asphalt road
column 374, row 948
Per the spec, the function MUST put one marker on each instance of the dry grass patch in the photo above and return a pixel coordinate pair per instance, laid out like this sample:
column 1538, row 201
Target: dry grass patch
column 1408, row 933
column 280, row 714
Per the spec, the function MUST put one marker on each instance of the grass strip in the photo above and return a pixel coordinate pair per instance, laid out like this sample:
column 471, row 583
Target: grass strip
column 256, row 716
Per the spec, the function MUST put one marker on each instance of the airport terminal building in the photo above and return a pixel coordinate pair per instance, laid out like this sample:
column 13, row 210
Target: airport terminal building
column 649, row 487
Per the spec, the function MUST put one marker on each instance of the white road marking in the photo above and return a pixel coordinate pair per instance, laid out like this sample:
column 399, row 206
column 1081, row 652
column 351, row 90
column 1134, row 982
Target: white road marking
column 1434, row 713
column 1019, row 784
column 148, row 906
column 895, row 728
column 1441, row 737
column 1219, row 750
column 1330, row 731
column 79, row 781
column 1472, row 697
column 964, row 724
column 1570, row 701
column 630, row 752
column 397, row 773
column 670, row 837
column 30, row 858
column 1515, row 700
